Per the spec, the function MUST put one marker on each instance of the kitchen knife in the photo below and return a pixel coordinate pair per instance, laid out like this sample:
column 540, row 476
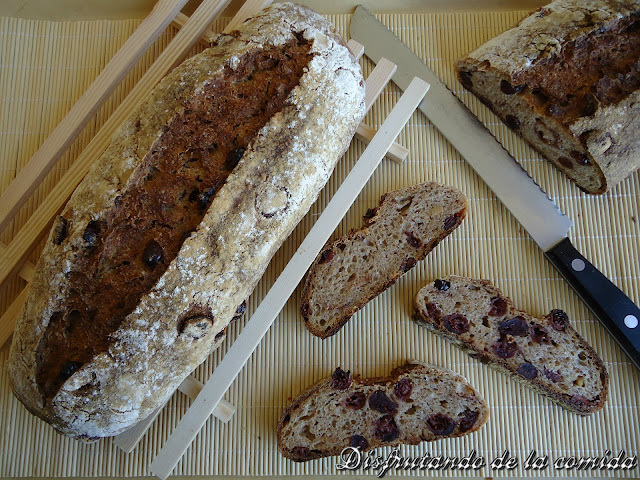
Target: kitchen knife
column 537, row 213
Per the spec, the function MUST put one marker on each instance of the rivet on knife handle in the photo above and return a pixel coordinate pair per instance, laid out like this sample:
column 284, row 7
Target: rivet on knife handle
column 613, row 308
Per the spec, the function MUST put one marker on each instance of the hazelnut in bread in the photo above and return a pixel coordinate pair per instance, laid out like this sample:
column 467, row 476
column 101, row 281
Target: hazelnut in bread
column 415, row 403
column 175, row 223
column 546, row 353
column 354, row 269
column 567, row 79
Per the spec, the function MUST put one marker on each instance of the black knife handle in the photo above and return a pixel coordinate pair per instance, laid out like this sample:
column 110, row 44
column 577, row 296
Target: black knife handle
column 613, row 308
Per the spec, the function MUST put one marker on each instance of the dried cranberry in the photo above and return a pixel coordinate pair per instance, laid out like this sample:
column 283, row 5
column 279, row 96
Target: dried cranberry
column 468, row 419
column 528, row 371
column 433, row 311
column 386, row 428
column 588, row 106
column 356, row 400
column 580, row 401
column 403, row 389
column 441, row 285
column 193, row 196
column 512, row 122
column 326, row 256
column 67, row 369
column 408, row 264
column 371, row 212
column 441, row 424
column 358, row 441
column 91, row 234
column 565, row 162
column 233, row 157
column 413, row 240
column 579, row 157
column 240, row 310
column 538, row 97
column 558, row 320
column 380, row 402
column 552, row 375
column 300, row 452
column 60, row 232
column 340, row 379
column 465, row 79
column 504, row 348
column 204, row 198
column 153, row 254
column 456, row 323
column 305, row 310
column 539, row 334
column 509, row 89
column 516, row 327
column 450, row 221
column 498, row 307
column 220, row 334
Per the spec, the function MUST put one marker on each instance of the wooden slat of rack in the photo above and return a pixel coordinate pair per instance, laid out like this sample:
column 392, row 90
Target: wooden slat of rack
column 31, row 175
column 255, row 329
column 174, row 53
column 191, row 387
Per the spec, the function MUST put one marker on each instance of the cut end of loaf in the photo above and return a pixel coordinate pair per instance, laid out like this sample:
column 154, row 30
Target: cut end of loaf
column 415, row 403
column 352, row 270
column 567, row 79
column 545, row 353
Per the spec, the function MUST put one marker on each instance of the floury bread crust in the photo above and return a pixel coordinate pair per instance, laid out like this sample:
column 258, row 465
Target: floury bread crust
column 546, row 354
column 415, row 403
column 567, row 79
column 174, row 324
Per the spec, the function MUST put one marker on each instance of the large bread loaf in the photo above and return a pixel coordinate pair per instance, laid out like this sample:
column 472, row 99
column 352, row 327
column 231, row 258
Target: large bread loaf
column 176, row 222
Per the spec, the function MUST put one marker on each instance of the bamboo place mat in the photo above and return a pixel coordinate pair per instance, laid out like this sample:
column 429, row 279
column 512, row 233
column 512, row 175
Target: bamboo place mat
column 46, row 66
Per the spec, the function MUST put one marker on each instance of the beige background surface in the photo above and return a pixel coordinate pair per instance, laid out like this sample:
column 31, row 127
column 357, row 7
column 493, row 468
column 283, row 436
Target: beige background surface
column 45, row 66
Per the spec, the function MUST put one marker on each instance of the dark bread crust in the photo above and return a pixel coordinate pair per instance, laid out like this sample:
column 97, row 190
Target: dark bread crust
column 431, row 315
column 414, row 228
column 410, row 414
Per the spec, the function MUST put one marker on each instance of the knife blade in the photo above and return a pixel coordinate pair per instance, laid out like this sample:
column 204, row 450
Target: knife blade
column 528, row 203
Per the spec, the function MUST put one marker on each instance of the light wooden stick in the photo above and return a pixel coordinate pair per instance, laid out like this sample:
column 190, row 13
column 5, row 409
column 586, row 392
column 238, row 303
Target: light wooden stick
column 37, row 224
column 8, row 319
column 397, row 152
column 248, row 9
column 32, row 174
column 180, row 21
column 253, row 331
column 191, row 387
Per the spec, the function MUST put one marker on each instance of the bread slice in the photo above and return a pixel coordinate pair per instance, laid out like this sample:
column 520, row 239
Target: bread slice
column 354, row 269
column 416, row 403
column 546, row 353
column 567, row 79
